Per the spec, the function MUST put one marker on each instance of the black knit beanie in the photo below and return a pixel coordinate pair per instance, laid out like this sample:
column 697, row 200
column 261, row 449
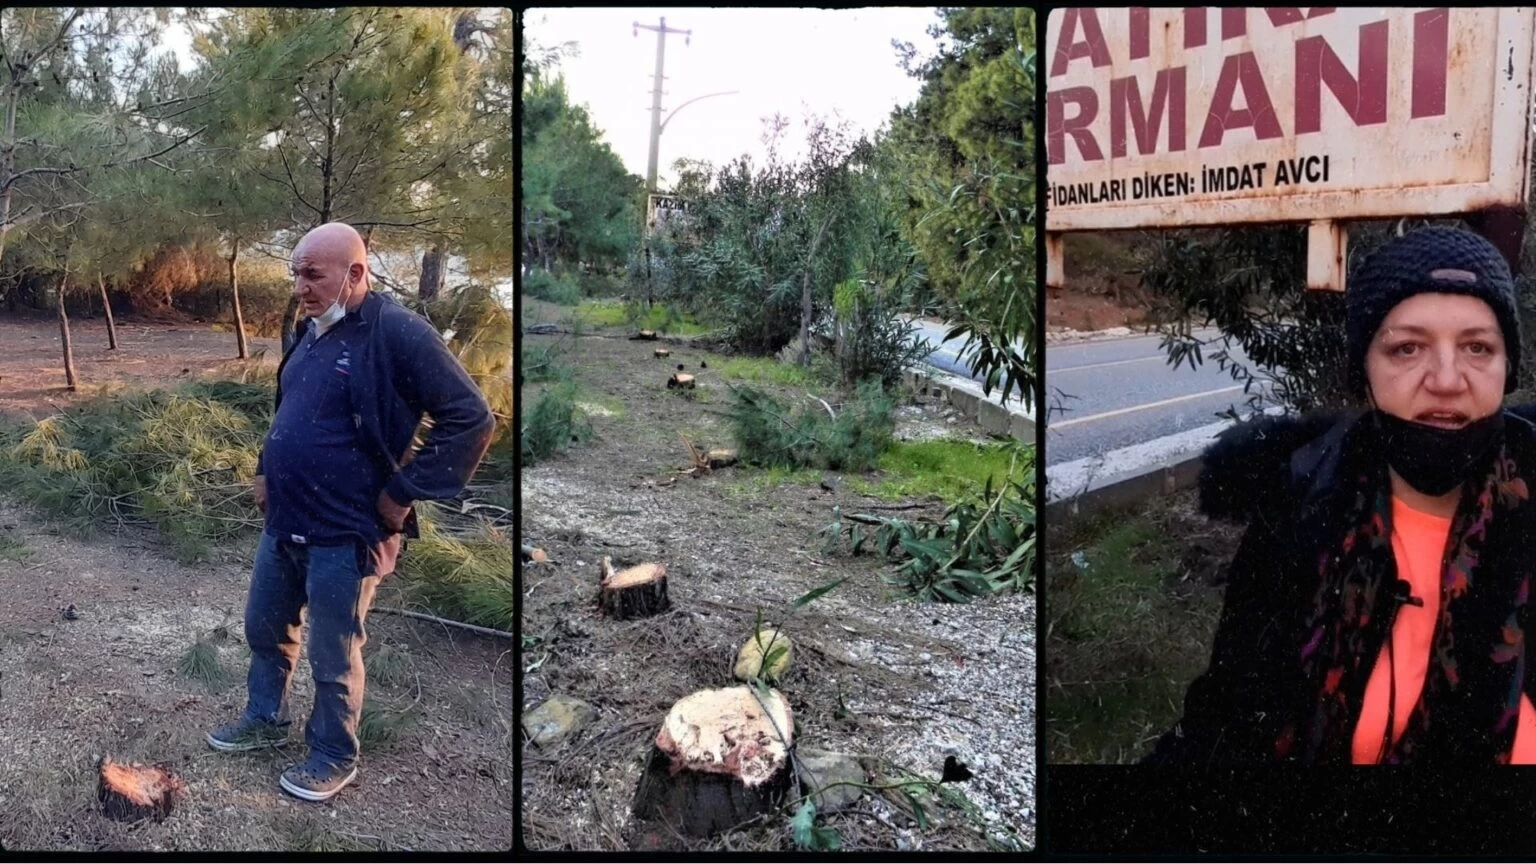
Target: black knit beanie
column 1439, row 260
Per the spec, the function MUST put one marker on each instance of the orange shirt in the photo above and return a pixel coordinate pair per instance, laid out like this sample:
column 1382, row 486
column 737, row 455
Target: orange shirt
column 1418, row 543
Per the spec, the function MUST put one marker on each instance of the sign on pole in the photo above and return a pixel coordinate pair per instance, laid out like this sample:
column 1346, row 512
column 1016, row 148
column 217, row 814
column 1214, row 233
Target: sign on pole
column 662, row 207
column 1180, row 117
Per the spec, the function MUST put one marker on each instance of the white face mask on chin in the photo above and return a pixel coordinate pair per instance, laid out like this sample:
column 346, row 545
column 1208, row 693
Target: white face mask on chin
column 335, row 312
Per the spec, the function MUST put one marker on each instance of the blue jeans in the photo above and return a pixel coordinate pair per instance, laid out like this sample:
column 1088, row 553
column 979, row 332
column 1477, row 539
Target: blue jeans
column 337, row 584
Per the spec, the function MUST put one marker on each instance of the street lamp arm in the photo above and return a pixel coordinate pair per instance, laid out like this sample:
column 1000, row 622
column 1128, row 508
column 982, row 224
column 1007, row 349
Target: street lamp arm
column 690, row 102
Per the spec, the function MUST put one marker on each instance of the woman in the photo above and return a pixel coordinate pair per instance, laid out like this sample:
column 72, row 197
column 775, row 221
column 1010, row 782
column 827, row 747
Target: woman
column 1412, row 517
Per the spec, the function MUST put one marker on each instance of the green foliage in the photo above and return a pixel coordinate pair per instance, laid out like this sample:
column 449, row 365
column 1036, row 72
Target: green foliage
column 944, row 467
column 756, row 232
column 291, row 77
column 546, row 286
column 552, row 425
column 872, row 338
column 1250, row 283
column 762, row 370
column 390, row 667
column 466, row 577
column 1131, row 617
column 965, row 152
column 984, row 544
column 543, row 363
column 580, row 205
column 769, row 435
column 184, row 461
column 179, row 461
column 481, row 338
column 201, row 663
column 810, row 836
column 380, row 725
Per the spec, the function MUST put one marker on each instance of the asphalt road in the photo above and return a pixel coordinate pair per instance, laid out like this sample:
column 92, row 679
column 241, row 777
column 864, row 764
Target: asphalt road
column 1120, row 392
column 946, row 355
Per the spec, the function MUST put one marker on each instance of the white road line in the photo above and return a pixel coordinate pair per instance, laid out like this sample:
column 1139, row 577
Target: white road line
column 1062, row 424
column 1049, row 371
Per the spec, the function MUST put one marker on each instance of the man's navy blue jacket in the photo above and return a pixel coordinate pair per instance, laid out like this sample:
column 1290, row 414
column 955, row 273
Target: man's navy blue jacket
column 401, row 371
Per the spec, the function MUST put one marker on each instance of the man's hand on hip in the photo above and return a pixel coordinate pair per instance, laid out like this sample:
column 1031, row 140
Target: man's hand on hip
column 392, row 513
column 260, row 488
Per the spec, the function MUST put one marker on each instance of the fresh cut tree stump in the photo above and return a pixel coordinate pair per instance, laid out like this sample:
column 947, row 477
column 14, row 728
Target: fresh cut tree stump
column 721, row 457
column 719, row 761
column 662, row 352
column 129, row 793
column 645, row 336
column 680, row 379
column 635, row 592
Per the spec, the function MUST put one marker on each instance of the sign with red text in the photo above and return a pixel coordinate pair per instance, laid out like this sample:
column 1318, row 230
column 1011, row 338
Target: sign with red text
column 1210, row 115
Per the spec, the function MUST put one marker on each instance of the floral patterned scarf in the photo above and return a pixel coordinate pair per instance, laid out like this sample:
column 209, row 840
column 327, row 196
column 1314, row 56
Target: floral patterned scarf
column 1467, row 711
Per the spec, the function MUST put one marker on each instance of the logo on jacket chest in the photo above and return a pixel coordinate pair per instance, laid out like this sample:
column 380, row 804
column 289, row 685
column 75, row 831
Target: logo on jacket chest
column 344, row 362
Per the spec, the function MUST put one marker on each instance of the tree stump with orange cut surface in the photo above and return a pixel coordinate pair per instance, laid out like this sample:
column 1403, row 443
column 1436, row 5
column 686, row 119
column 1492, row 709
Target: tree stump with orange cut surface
column 634, row 592
column 721, row 759
column 130, row 792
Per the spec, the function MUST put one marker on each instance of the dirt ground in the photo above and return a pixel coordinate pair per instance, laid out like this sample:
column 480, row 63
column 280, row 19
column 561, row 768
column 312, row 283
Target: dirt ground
column 1103, row 285
column 32, row 361
column 108, row 682
column 875, row 674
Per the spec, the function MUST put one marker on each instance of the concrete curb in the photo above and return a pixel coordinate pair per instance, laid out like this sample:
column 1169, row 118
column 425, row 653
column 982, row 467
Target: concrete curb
column 1159, row 467
column 1162, row 479
column 967, row 398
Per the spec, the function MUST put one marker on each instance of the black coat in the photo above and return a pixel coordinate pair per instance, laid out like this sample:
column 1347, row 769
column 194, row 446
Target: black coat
column 1274, row 475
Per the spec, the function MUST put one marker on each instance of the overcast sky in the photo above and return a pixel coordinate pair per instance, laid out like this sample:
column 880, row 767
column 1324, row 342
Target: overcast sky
column 783, row 60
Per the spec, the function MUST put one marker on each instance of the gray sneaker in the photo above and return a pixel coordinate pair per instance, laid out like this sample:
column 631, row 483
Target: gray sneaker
column 315, row 780
column 244, row 734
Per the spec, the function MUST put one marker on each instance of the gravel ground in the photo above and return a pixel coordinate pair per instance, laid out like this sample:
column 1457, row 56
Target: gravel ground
column 875, row 674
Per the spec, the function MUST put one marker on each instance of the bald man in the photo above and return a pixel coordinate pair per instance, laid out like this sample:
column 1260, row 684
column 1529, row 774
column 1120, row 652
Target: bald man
column 336, row 487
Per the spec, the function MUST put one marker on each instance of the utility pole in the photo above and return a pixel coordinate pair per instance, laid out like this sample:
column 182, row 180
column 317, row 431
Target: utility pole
column 661, row 51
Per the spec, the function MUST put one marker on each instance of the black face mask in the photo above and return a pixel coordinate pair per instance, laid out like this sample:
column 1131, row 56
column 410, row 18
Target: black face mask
column 1433, row 460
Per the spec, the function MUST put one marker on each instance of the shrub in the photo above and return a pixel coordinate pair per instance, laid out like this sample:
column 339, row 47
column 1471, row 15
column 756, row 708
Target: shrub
column 546, row 286
column 872, row 338
column 552, row 425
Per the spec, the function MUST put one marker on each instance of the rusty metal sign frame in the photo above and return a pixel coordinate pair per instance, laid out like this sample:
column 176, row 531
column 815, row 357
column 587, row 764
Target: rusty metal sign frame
column 653, row 204
column 1507, row 186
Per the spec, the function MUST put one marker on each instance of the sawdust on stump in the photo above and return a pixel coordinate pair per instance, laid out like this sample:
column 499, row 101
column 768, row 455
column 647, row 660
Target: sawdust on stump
column 719, row 761
column 130, row 792
column 635, row 592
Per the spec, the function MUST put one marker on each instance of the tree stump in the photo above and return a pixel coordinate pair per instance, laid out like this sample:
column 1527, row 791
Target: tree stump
column 680, row 379
column 662, row 352
column 635, row 592
column 718, row 761
column 129, row 793
column 645, row 336
column 721, row 457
